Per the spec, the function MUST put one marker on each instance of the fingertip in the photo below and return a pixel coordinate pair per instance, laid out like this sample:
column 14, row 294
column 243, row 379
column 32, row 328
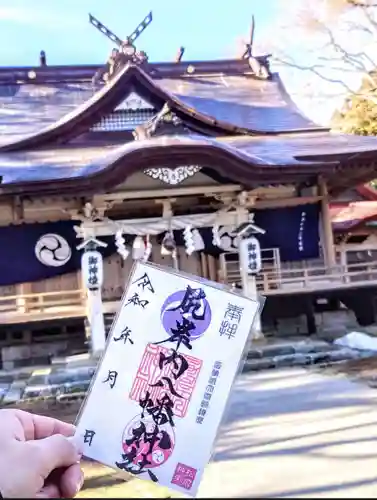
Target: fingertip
column 71, row 481
column 54, row 452
column 49, row 491
column 68, row 430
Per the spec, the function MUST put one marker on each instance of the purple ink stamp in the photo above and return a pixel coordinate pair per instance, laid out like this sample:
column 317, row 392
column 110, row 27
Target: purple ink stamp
column 190, row 304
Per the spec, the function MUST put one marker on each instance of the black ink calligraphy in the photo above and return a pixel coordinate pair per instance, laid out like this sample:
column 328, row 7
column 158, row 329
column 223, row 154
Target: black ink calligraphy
column 169, row 383
column 111, row 378
column 148, row 440
column 179, row 362
column 179, row 366
column 125, row 335
column 192, row 303
column 181, row 334
column 191, row 310
column 93, row 271
column 136, row 301
column 88, row 436
column 145, row 439
column 145, row 283
column 161, row 411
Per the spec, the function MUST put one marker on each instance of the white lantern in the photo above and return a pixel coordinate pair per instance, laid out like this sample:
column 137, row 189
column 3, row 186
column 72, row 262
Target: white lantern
column 138, row 248
column 250, row 255
column 92, row 269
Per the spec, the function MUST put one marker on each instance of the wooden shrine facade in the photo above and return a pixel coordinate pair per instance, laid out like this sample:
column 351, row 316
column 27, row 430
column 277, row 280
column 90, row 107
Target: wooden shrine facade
column 163, row 146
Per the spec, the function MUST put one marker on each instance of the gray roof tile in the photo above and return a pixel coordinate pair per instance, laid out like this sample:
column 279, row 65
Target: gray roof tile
column 63, row 163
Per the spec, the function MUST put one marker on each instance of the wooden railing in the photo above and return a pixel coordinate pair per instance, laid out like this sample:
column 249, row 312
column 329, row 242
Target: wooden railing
column 285, row 281
column 48, row 305
column 71, row 303
column 34, row 306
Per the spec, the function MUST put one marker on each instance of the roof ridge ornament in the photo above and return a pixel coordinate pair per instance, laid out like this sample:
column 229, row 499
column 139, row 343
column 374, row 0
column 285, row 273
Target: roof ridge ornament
column 259, row 65
column 158, row 124
column 126, row 51
column 248, row 52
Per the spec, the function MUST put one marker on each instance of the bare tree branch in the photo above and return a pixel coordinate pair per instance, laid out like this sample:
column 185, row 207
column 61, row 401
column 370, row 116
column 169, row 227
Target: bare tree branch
column 369, row 13
column 364, row 4
column 314, row 69
column 340, row 54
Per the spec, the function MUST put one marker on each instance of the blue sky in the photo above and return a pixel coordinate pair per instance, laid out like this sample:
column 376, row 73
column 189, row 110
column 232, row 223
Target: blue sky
column 209, row 29
column 61, row 27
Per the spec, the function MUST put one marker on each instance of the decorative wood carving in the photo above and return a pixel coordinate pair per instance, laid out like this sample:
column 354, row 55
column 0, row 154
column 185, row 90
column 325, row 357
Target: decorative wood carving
column 172, row 176
column 165, row 122
column 132, row 112
column 134, row 102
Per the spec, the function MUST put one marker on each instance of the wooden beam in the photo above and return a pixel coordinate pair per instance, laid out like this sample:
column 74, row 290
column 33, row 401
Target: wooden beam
column 147, row 225
column 167, row 193
column 206, row 191
column 287, row 202
column 327, row 232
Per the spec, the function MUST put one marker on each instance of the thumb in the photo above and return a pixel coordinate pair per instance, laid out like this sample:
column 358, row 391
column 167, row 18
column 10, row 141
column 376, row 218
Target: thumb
column 56, row 451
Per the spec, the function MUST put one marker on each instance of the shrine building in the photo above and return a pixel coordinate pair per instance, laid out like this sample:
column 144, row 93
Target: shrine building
column 165, row 162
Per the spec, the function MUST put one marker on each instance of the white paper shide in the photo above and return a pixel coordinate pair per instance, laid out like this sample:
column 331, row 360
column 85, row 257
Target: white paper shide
column 159, row 394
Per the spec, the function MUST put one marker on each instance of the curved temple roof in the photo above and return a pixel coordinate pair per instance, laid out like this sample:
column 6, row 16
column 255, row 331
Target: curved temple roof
column 218, row 103
column 253, row 133
column 247, row 160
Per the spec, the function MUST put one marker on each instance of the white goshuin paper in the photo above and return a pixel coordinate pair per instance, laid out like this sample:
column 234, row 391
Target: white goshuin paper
column 205, row 385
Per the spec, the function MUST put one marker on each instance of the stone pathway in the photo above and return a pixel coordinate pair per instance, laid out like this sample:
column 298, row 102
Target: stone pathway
column 289, row 433
column 275, row 353
column 296, row 434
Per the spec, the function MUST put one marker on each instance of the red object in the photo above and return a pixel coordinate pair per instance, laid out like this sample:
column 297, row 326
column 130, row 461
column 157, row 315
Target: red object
column 184, row 476
column 367, row 191
column 149, row 374
column 345, row 216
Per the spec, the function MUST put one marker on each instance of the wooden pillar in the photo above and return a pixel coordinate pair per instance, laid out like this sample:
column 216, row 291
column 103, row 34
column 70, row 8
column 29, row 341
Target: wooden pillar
column 212, row 267
column 327, row 232
column 344, row 263
column 22, row 303
column 203, row 262
column 95, row 321
column 21, row 288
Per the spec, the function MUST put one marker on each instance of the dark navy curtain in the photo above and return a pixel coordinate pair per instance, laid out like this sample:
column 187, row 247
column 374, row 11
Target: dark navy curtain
column 294, row 230
column 33, row 252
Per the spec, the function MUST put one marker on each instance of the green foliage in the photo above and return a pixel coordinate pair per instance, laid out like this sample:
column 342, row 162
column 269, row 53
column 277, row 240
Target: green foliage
column 358, row 116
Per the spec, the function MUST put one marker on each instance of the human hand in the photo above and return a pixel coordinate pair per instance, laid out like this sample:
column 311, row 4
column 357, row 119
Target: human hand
column 38, row 457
